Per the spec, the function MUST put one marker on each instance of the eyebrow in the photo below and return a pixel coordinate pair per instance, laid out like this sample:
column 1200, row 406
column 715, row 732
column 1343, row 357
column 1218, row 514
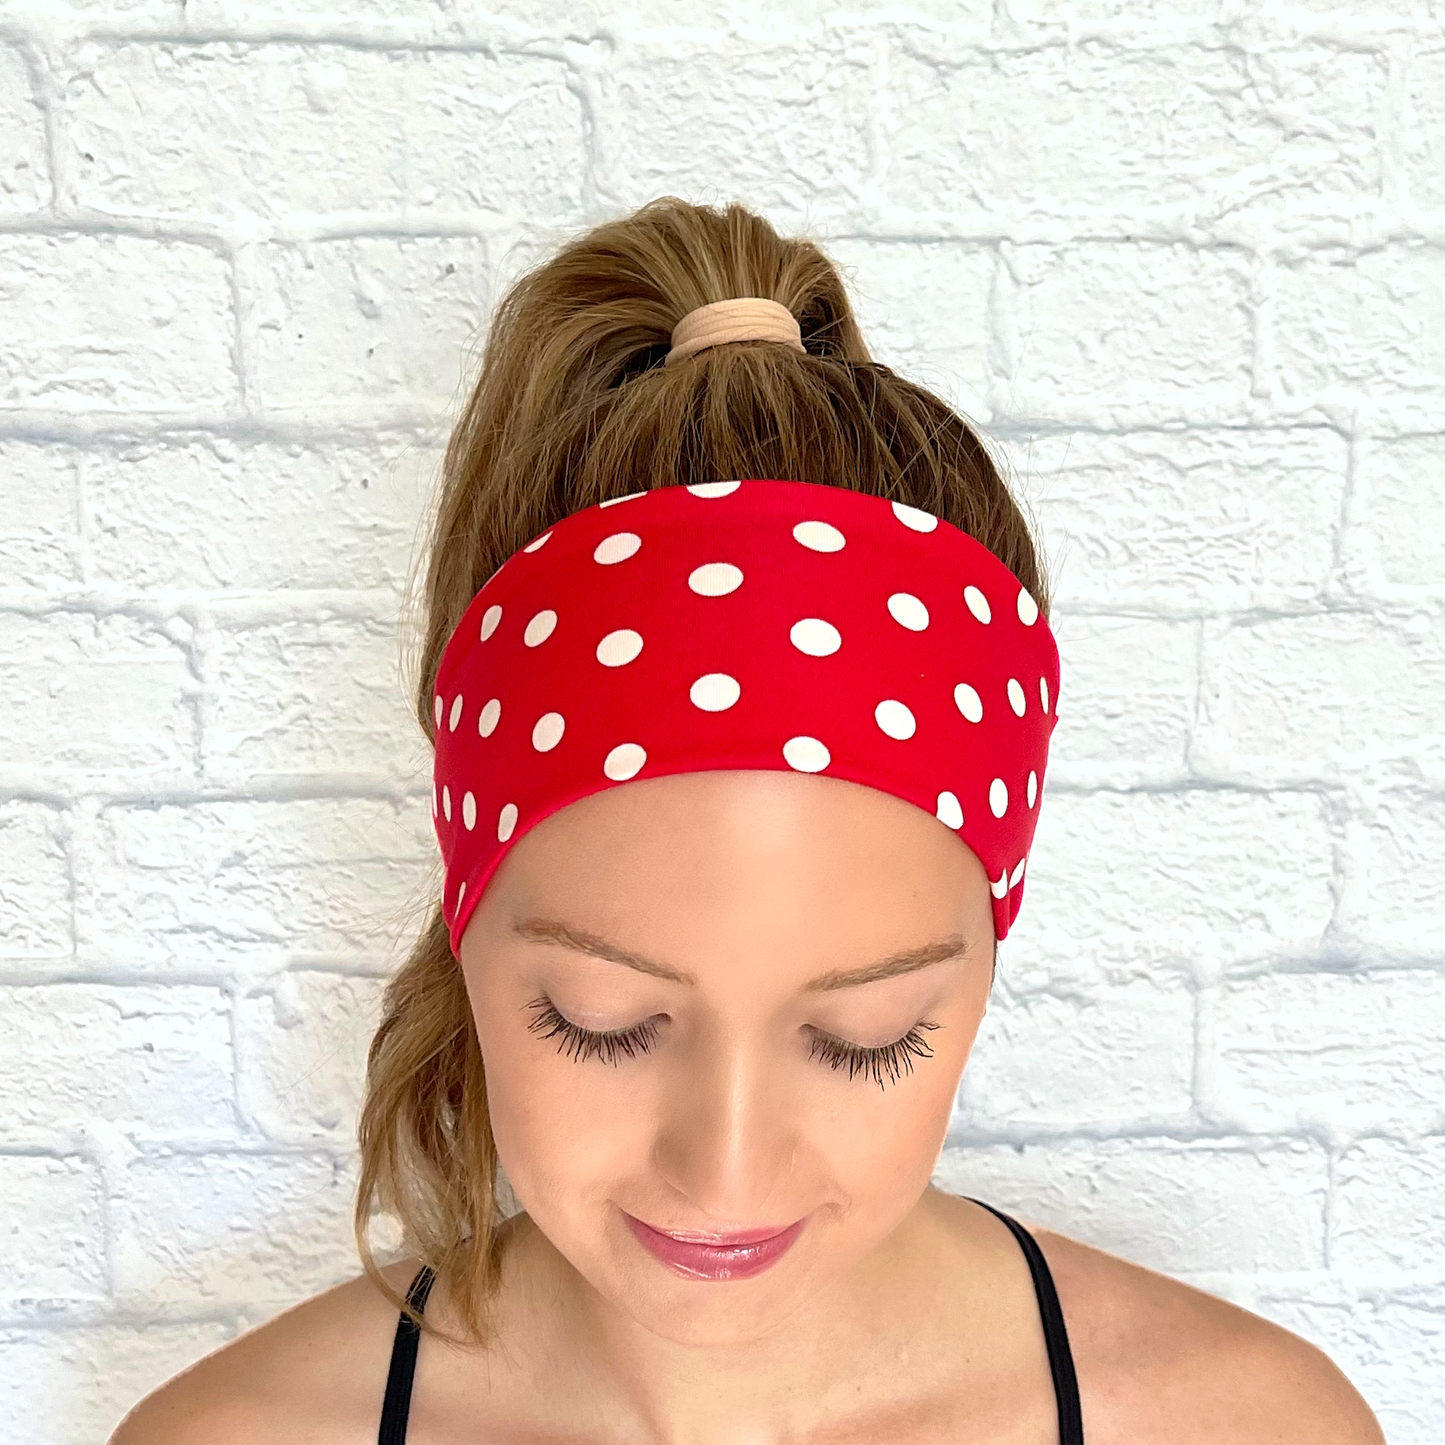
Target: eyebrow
column 580, row 940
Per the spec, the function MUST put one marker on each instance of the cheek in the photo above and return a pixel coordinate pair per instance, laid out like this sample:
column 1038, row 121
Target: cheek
column 561, row 1131
column 886, row 1145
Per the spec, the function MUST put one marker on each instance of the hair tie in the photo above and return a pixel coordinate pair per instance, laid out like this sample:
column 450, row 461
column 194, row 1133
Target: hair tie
column 744, row 318
column 774, row 624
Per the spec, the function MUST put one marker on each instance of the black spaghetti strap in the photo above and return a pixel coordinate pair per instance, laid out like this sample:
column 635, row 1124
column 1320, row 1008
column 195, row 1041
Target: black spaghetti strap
column 396, row 1406
column 1061, row 1358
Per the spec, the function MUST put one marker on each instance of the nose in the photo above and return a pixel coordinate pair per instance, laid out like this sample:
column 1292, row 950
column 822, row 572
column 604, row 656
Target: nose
column 728, row 1138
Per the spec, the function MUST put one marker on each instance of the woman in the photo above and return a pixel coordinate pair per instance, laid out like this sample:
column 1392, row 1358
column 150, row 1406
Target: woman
column 705, row 970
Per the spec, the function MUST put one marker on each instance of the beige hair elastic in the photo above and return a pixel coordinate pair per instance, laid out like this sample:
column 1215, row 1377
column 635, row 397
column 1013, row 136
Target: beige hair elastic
column 744, row 318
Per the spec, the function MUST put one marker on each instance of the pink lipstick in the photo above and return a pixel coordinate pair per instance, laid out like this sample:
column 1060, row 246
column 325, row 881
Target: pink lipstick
column 717, row 1256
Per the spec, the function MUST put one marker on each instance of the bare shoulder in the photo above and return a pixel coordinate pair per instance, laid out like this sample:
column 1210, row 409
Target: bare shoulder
column 313, row 1375
column 1160, row 1360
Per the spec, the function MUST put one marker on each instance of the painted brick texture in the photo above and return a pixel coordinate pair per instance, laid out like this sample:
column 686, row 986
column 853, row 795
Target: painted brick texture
column 1182, row 260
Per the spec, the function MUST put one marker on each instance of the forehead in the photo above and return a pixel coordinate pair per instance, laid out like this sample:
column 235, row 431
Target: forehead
column 774, row 850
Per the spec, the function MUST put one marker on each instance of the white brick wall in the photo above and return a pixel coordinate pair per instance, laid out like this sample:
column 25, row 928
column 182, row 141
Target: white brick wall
column 1182, row 260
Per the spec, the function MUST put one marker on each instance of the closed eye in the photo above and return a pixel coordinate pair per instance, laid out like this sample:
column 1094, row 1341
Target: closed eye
column 837, row 1053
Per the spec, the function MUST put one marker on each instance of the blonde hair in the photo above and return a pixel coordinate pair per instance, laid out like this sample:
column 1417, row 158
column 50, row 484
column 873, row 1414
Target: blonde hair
column 573, row 405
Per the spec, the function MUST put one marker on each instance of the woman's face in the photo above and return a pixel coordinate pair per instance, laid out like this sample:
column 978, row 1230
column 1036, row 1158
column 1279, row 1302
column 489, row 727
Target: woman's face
column 735, row 1106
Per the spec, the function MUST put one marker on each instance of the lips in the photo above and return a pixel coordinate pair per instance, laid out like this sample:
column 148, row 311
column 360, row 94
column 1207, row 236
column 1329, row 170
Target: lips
column 734, row 1256
column 721, row 1241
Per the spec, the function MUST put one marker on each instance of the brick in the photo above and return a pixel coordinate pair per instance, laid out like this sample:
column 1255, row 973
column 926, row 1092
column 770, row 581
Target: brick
column 52, row 1248
column 38, row 537
column 1119, row 332
column 223, row 14
column 103, row 10
column 106, row 693
column 114, row 323
column 366, row 319
column 1395, row 888
column 271, row 129
column 1061, row 1060
column 1135, row 718
column 895, row 286
column 1319, row 692
column 1399, row 481
column 1165, row 876
column 209, row 512
column 76, row 1384
column 781, row 128
column 1168, row 13
column 1389, row 1207
column 232, row 882
column 34, row 883
column 231, row 1231
column 308, row 695
column 1182, row 1207
column 24, row 169
column 1348, row 17
column 1092, row 127
column 1187, row 521
column 303, row 1046
column 1422, row 137
column 1290, row 1055
column 1371, row 322
column 156, row 1060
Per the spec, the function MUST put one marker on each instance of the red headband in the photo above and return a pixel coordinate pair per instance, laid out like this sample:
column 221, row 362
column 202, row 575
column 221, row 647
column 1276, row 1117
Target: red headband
column 745, row 624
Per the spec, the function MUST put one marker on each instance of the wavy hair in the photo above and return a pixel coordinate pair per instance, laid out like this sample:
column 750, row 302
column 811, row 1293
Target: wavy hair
column 573, row 405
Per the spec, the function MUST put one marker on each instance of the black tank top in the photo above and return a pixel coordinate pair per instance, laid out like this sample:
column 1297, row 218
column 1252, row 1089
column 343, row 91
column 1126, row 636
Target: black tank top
column 397, row 1404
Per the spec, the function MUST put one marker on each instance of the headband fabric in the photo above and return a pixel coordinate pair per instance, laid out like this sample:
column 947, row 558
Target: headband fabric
column 747, row 624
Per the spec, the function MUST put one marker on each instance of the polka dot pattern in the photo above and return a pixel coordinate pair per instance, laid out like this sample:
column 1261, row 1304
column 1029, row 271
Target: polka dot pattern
column 745, row 624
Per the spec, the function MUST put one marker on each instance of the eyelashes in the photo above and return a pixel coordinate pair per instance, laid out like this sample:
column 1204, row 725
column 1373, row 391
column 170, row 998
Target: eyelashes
column 891, row 1059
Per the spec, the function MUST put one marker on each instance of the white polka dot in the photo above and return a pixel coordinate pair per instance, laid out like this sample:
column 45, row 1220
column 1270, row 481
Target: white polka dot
column 487, row 722
column 624, row 761
column 998, row 798
column 447, row 802
column 435, row 806
column 714, row 489
column 908, row 611
column 819, row 536
column 619, row 648
column 613, row 501
column 970, row 704
column 456, row 715
column 1028, row 608
column 806, row 755
column 547, row 732
column 914, row 517
column 532, row 546
column 999, row 886
column 506, row 821
column 1018, row 872
column 715, row 692
column 895, row 719
column 461, row 893
column 715, row 579
column 950, row 811
column 977, row 602
column 815, row 637
column 490, row 618
column 540, row 628
column 616, row 548
column 1033, row 786
column 1044, row 693
column 1016, row 696
column 469, row 811
column 437, row 710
